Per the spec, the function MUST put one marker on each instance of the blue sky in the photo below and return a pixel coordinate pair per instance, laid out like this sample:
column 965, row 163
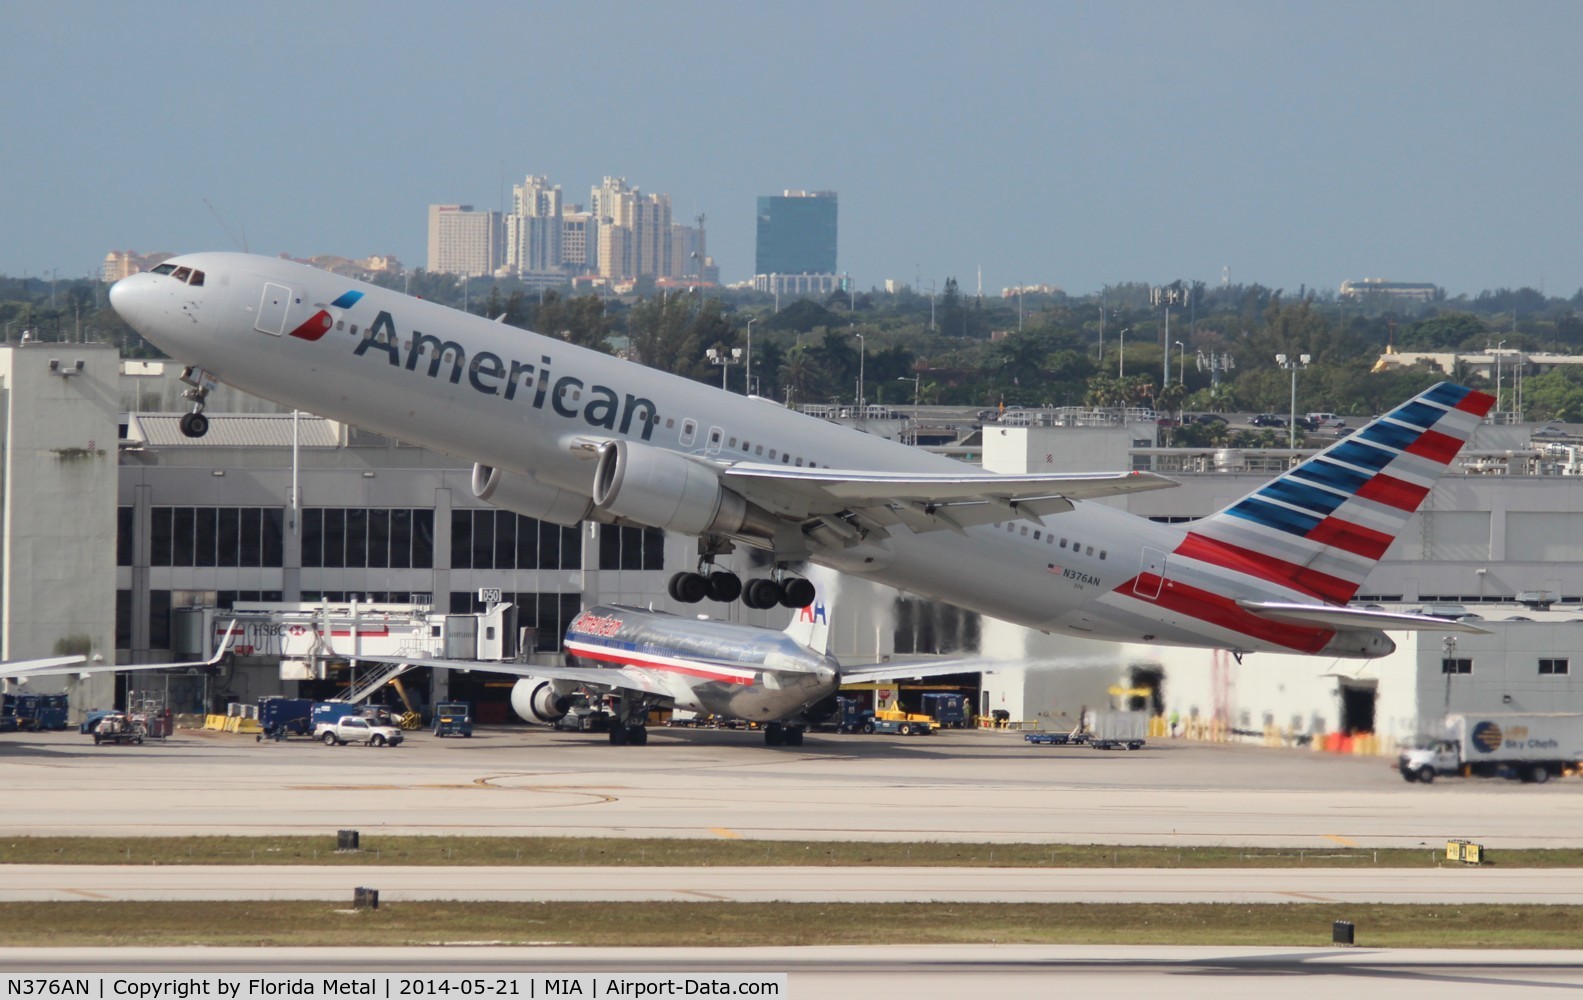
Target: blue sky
column 1079, row 144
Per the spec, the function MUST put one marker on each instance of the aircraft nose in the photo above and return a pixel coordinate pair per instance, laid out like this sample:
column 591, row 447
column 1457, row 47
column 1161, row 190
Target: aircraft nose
column 131, row 299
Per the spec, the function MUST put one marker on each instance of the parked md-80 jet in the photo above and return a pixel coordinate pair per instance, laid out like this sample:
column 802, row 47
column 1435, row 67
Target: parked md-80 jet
column 565, row 434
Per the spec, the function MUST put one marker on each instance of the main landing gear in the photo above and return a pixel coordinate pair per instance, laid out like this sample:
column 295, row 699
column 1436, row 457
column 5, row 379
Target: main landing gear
column 195, row 424
column 759, row 593
column 778, row 734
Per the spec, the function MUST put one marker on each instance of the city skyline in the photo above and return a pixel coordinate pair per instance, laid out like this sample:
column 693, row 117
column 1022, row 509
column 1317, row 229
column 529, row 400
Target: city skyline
column 1072, row 144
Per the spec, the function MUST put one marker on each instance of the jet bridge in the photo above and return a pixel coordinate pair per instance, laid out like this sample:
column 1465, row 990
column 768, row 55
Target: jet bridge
column 307, row 638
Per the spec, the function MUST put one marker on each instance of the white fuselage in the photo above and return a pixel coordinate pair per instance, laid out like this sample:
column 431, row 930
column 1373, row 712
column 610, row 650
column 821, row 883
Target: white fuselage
column 537, row 406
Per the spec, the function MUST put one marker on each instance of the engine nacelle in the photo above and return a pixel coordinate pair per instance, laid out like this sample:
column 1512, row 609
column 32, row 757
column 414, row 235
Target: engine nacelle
column 663, row 489
column 527, row 496
column 538, row 701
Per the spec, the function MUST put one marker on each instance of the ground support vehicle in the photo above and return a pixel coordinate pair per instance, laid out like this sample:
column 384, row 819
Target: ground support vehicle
column 36, row 712
column 119, row 727
column 357, row 729
column 948, row 709
column 453, row 718
column 1127, row 744
column 1056, row 739
column 279, row 718
column 1530, row 746
column 854, row 718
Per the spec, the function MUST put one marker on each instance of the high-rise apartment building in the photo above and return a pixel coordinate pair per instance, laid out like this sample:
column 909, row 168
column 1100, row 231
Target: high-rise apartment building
column 579, row 240
column 796, row 233
column 634, row 230
column 534, row 228
column 462, row 241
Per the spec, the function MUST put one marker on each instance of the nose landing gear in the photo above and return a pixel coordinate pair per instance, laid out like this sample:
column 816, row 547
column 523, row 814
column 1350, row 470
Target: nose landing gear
column 195, row 424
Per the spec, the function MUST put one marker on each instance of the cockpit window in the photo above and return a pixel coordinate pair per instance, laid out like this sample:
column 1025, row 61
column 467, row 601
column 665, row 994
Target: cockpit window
column 196, row 279
column 182, row 273
column 164, row 269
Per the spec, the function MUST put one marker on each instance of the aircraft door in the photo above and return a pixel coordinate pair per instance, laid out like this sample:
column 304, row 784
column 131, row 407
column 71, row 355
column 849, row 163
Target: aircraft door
column 1151, row 574
column 712, row 443
column 272, row 309
column 689, row 432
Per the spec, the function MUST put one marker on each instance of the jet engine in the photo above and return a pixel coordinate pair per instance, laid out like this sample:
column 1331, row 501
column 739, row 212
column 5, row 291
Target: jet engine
column 667, row 490
column 527, row 496
column 537, row 701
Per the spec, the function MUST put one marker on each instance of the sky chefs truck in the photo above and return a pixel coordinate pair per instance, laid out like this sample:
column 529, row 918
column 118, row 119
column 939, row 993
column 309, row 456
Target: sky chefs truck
column 1530, row 746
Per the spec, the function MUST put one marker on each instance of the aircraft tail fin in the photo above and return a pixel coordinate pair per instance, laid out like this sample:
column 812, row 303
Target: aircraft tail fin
column 810, row 626
column 1322, row 526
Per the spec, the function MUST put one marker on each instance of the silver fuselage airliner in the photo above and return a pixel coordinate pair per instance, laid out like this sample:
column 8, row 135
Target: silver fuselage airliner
column 563, row 433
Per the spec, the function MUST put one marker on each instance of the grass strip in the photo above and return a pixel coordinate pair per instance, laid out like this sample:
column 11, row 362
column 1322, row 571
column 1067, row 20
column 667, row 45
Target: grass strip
column 278, row 924
column 564, row 851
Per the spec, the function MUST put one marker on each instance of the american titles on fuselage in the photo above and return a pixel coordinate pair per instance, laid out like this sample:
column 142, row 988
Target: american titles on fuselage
column 491, row 375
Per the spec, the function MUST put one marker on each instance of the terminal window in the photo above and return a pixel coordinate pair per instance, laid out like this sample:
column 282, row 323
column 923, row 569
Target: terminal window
column 358, row 538
column 499, row 539
column 1553, row 666
column 628, row 547
column 1456, row 665
column 207, row 536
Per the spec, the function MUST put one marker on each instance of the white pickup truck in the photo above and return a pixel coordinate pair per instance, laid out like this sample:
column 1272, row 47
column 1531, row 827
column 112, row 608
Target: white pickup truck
column 357, row 729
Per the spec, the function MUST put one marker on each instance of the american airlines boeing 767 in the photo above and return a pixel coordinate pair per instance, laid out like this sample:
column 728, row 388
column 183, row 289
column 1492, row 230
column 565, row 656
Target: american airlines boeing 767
column 565, row 434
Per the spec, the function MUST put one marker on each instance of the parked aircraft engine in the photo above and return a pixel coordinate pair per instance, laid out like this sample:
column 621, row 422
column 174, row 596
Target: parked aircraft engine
column 538, row 701
column 527, row 496
column 665, row 490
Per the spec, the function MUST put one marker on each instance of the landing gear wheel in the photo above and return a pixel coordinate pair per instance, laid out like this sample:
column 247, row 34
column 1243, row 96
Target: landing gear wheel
column 774, row 735
column 797, row 593
column 793, row 737
column 761, row 594
column 618, row 736
column 724, row 587
column 688, row 588
column 637, row 735
column 194, row 425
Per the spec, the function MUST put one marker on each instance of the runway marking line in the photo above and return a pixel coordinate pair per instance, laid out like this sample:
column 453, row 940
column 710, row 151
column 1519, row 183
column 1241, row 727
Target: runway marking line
column 705, row 895
column 1343, row 841
column 86, row 894
column 720, row 831
column 1309, row 896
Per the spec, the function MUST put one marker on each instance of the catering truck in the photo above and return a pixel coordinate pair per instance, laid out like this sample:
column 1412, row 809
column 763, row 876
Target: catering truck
column 1531, row 746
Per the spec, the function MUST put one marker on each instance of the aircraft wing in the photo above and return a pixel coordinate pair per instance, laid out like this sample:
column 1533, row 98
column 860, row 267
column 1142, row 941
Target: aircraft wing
column 609, row 678
column 1344, row 619
column 78, row 666
column 915, row 669
column 926, row 501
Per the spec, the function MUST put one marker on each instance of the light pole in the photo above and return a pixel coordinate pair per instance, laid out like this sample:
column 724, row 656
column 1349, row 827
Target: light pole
column 915, row 380
column 1498, row 380
column 747, row 387
column 1181, row 362
column 862, row 356
column 1292, row 365
column 1121, row 354
column 931, row 305
column 725, row 359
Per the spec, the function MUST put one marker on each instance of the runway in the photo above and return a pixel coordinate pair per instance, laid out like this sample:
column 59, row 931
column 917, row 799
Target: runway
column 54, row 883
column 982, row 787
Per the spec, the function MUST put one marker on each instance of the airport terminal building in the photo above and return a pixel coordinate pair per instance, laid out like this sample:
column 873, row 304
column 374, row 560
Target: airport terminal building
column 114, row 521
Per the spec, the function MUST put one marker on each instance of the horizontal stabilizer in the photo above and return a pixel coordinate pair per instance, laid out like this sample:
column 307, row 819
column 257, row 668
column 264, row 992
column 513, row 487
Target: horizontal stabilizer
column 917, row 669
column 1352, row 619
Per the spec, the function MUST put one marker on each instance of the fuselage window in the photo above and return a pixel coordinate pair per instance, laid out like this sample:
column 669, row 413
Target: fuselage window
column 733, row 443
column 759, row 450
column 182, row 273
column 1037, row 535
column 670, row 422
column 1090, row 550
column 1063, row 543
column 799, row 463
column 1025, row 531
column 1101, row 553
column 354, row 329
column 785, row 459
column 772, row 454
column 340, row 324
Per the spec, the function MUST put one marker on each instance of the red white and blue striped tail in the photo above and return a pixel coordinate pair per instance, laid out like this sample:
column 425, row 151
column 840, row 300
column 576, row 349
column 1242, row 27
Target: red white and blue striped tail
column 1321, row 527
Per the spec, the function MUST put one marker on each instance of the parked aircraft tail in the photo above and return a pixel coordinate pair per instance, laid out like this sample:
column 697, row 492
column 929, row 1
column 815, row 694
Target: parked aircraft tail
column 1321, row 527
